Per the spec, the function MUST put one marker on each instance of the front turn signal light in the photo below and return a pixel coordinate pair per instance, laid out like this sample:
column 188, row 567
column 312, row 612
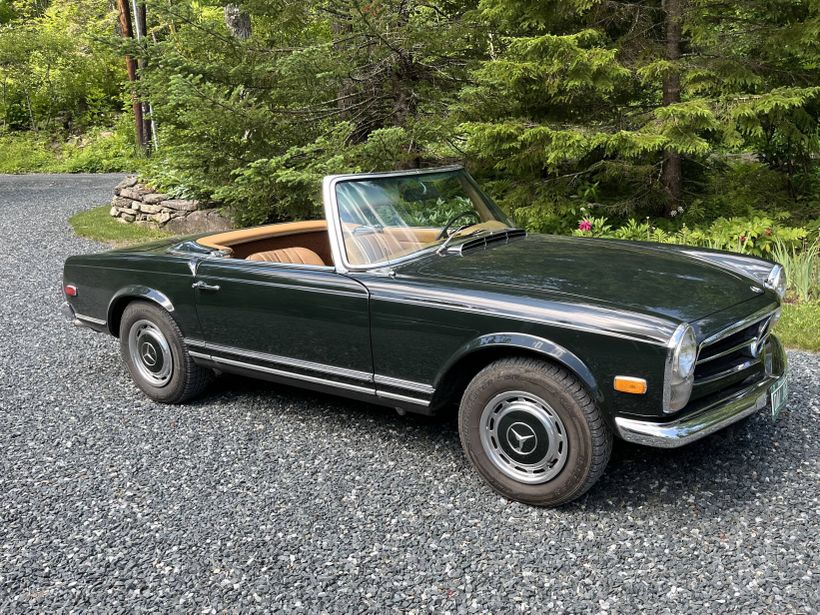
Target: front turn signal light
column 629, row 384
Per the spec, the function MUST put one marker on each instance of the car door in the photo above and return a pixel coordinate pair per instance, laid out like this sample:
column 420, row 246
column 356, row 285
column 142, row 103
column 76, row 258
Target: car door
column 303, row 322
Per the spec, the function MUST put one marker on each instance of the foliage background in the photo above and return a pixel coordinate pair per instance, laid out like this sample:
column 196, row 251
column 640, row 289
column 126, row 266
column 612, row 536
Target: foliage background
column 701, row 113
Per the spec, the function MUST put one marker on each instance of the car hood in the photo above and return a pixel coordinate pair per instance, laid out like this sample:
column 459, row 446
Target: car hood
column 641, row 277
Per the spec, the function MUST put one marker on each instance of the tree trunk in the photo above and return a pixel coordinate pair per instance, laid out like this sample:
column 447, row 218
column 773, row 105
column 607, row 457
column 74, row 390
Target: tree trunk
column 127, row 32
column 140, row 29
column 672, row 168
column 341, row 30
column 238, row 22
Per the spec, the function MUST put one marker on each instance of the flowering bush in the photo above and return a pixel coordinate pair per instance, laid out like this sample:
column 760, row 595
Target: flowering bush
column 757, row 234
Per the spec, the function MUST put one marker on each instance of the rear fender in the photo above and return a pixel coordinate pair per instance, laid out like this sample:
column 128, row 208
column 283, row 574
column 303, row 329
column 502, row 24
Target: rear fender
column 125, row 295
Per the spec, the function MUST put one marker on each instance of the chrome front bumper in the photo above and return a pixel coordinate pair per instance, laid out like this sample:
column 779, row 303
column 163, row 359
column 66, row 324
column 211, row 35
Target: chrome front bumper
column 686, row 429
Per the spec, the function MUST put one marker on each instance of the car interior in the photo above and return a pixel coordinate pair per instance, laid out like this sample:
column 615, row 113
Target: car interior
column 307, row 243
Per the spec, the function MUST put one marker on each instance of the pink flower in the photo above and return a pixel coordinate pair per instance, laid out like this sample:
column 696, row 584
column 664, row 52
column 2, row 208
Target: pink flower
column 742, row 238
column 585, row 226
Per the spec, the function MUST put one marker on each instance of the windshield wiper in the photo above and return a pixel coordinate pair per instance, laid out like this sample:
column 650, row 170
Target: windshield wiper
column 455, row 234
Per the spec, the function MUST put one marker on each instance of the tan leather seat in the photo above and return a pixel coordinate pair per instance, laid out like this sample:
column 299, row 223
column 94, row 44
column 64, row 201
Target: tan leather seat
column 370, row 248
column 299, row 256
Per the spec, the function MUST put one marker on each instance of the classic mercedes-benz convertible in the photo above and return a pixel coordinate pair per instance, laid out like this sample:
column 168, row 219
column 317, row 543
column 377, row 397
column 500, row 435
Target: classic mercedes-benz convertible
column 418, row 293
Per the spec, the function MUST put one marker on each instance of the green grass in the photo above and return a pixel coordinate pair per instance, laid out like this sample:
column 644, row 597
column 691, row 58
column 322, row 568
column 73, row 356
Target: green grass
column 799, row 327
column 97, row 224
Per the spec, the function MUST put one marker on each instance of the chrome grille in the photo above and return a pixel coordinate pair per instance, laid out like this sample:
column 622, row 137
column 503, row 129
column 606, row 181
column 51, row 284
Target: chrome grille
column 731, row 357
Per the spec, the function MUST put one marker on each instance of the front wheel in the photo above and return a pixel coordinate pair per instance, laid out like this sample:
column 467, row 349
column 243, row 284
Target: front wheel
column 152, row 347
column 533, row 432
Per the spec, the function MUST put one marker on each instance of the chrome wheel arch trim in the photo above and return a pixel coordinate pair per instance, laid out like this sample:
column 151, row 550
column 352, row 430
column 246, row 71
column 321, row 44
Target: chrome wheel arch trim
column 530, row 343
column 136, row 292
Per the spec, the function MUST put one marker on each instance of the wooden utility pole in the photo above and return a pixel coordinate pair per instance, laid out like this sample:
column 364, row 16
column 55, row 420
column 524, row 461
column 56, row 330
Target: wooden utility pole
column 131, row 65
column 672, row 167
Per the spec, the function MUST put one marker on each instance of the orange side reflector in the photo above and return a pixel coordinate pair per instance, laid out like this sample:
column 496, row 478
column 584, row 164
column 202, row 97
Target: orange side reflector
column 628, row 384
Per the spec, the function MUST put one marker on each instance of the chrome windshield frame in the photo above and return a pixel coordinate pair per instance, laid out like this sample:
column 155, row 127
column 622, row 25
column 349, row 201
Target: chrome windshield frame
column 334, row 222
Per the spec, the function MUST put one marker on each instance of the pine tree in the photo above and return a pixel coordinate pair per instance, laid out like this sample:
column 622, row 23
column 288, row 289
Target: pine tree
column 614, row 101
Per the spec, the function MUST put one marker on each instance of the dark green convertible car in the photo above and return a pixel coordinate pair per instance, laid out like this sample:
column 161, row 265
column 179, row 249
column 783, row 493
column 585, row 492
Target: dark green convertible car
column 418, row 293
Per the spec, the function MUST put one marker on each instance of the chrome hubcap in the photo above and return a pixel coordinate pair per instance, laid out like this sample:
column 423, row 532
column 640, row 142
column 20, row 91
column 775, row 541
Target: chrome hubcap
column 150, row 353
column 524, row 437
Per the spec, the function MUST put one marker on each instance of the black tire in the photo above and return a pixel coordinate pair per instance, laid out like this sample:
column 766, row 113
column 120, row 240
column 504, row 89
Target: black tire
column 516, row 400
column 178, row 378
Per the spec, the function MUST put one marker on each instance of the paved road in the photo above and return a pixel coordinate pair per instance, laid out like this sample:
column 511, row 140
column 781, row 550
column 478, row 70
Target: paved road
column 261, row 497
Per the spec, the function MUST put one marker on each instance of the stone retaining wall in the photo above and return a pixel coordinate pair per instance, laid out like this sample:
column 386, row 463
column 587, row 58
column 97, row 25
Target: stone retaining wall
column 137, row 203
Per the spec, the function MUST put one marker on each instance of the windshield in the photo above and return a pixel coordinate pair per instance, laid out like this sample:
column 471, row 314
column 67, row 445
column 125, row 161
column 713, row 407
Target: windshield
column 387, row 218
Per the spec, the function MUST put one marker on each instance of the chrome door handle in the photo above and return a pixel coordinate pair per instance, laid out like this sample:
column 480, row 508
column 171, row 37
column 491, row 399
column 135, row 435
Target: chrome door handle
column 203, row 286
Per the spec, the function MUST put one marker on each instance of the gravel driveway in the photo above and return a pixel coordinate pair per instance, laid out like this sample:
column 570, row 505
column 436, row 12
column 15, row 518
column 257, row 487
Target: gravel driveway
column 263, row 497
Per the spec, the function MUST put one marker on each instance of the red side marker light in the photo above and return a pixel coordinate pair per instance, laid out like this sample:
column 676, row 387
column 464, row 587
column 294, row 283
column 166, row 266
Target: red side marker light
column 70, row 290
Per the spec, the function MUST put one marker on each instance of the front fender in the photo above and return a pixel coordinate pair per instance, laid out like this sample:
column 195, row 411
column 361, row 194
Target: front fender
column 531, row 344
column 129, row 293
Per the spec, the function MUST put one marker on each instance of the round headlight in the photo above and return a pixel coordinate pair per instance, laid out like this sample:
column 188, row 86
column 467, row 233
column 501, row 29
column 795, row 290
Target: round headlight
column 685, row 354
column 680, row 368
column 777, row 281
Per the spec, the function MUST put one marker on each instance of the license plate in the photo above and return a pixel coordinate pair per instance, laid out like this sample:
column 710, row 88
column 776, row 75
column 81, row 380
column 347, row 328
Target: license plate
column 778, row 396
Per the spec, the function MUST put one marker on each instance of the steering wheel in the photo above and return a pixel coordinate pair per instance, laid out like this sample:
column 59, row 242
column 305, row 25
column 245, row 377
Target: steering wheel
column 456, row 218
column 367, row 229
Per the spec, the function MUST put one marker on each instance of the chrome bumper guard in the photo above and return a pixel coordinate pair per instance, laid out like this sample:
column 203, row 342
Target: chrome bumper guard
column 80, row 320
column 68, row 312
column 712, row 418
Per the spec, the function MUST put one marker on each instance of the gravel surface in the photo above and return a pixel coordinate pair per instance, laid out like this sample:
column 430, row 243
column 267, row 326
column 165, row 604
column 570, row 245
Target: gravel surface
column 260, row 497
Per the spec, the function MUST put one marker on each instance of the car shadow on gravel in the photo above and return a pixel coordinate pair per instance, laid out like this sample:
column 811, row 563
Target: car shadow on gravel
column 723, row 471
column 717, row 473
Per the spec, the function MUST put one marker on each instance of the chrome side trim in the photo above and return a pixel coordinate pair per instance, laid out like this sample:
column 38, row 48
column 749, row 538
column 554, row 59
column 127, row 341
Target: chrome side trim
column 541, row 321
column 91, row 319
column 404, row 398
column 293, row 375
column 410, row 385
column 284, row 361
column 199, row 355
column 189, row 341
column 312, row 289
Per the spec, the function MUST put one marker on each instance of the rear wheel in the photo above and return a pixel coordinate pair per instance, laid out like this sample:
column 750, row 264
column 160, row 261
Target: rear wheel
column 533, row 432
column 152, row 347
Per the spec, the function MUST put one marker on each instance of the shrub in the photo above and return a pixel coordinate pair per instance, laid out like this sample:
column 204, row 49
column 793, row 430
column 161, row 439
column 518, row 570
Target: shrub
column 25, row 152
column 757, row 234
column 102, row 151
column 801, row 268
